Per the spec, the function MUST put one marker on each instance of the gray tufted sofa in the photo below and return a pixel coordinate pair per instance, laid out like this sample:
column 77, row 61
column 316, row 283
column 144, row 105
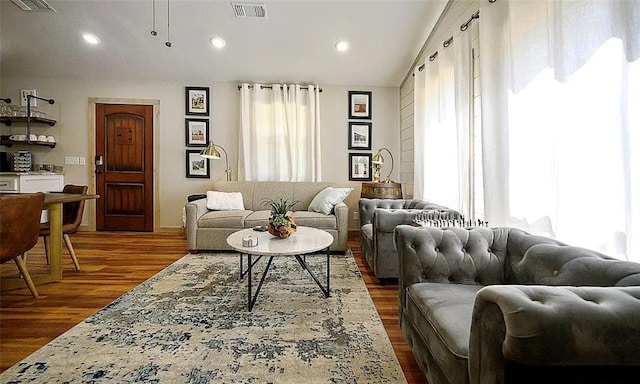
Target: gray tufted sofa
column 208, row 230
column 499, row 305
column 378, row 219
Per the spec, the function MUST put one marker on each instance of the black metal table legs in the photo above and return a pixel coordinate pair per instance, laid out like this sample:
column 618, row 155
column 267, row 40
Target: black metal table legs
column 302, row 260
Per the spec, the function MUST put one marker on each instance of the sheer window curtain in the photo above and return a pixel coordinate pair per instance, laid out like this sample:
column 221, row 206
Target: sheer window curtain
column 560, row 90
column 280, row 133
column 442, row 118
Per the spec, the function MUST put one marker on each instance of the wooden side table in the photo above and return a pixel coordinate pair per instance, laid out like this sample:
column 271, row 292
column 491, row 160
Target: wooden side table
column 381, row 190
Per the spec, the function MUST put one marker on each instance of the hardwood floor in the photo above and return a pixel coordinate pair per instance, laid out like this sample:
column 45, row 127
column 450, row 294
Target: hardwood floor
column 112, row 263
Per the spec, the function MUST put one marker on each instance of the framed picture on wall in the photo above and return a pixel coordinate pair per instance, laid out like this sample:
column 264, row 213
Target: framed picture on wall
column 359, row 105
column 196, row 132
column 197, row 101
column 197, row 166
column 359, row 135
column 360, row 166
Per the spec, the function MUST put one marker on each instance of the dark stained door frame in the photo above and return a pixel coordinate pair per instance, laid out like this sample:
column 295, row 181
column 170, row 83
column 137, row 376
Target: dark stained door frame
column 126, row 180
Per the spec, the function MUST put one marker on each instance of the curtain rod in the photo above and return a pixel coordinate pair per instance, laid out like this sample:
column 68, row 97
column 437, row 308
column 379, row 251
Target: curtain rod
column 445, row 44
column 476, row 15
column 269, row 87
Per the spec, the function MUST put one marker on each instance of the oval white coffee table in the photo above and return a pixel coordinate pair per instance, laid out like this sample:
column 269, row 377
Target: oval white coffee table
column 304, row 241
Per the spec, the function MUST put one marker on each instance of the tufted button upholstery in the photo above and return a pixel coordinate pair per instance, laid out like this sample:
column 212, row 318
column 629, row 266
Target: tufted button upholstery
column 541, row 306
column 380, row 217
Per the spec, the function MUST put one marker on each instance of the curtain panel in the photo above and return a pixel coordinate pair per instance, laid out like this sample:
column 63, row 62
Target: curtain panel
column 560, row 93
column 442, row 123
column 280, row 133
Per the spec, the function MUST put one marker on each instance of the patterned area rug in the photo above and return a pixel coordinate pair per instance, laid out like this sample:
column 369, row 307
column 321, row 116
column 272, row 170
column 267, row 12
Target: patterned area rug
column 189, row 324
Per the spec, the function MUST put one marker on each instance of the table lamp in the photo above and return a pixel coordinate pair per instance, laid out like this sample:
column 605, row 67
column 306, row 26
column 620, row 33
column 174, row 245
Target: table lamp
column 378, row 161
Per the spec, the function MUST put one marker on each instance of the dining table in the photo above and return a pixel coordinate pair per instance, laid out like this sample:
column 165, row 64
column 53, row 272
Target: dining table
column 53, row 202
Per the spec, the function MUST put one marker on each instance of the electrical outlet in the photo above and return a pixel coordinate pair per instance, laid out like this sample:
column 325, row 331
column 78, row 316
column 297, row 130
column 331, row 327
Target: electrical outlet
column 23, row 97
column 83, row 160
column 355, row 216
column 71, row 160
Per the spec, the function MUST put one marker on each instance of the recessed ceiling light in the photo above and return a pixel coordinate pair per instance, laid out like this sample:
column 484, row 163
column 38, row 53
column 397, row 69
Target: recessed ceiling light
column 90, row 38
column 342, row 46
column 217, row 42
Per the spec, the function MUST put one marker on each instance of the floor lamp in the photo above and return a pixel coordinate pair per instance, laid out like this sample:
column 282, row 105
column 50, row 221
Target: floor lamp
column 212, row 153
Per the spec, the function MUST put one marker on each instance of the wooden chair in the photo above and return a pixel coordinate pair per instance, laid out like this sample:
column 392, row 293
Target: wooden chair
column 19, row 229
column 71, row 219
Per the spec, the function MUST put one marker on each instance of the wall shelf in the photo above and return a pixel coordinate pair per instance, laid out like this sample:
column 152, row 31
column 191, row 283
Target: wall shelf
column 9, row 143
column 8, row 120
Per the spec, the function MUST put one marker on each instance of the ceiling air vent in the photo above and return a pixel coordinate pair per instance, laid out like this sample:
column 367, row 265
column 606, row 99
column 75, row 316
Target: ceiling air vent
column 242, row 10
column 34, row 5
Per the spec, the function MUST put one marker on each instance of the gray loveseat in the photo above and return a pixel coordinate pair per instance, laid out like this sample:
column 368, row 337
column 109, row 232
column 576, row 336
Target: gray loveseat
column 208, row 229
column 378, row 219
column 499, row 305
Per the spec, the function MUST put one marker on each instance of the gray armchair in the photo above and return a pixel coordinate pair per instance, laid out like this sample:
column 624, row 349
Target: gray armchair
column 378, row 219
column 499, row 305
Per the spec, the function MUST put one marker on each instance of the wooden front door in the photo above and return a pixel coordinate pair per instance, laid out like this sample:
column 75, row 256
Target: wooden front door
column 124, row 167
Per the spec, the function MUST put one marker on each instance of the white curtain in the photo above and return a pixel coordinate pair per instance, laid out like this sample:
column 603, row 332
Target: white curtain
column 419, row 128
column 560, row 94
column 442, row 114
column 280, row 133
column 463, row 71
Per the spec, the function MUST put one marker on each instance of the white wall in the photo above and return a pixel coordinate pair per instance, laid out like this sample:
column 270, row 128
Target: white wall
column 74, row 132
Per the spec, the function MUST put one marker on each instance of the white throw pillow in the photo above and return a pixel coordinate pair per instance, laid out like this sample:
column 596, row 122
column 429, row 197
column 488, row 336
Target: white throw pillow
column 326, row 199
column 224, row 201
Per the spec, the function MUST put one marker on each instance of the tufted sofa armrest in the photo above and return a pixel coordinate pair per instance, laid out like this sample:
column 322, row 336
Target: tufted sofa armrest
column 194, row 210
column 366, row 207
column 553, row 326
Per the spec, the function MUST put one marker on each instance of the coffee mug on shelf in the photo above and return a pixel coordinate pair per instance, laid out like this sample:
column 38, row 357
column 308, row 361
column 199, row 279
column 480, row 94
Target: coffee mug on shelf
column 33, row 137
column 42, row 138
column 18, row 137
column 51, row 139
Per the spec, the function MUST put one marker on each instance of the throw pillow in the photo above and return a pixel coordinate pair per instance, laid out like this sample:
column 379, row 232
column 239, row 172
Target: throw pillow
column 326, row 199
column 224, row 201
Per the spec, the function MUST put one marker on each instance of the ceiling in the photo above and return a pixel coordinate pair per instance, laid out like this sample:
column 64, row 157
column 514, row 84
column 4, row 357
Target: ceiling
column 294, row 43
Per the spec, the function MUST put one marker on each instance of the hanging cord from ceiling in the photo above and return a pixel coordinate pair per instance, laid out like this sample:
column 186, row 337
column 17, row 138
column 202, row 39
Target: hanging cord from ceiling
column 168, row 42
column 153, row 22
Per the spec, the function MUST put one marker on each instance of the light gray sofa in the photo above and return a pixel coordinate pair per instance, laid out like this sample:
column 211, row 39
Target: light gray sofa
column 208, row 230
column 378, row 219
column 499, row 305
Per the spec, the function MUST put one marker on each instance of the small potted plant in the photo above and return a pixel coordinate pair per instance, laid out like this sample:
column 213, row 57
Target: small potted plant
column 280, row 224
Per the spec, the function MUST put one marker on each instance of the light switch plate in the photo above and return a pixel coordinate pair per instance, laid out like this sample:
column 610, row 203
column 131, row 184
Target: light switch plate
column 23, row 97
column 71, row 160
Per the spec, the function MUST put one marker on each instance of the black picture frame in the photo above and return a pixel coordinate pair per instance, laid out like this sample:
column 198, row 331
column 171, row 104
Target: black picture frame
column 198, row 167
column 196, row 101
column 360, row 135
column 196, row 132
column 360, row 166
column 360, row 105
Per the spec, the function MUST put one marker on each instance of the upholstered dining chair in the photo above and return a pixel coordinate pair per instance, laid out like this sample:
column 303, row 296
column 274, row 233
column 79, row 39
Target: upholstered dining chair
column 19, row 229
column 71, row 219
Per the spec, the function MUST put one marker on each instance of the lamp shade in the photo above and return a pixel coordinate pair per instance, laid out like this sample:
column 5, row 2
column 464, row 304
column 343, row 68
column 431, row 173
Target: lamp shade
column 210, row 152
column 378, row 159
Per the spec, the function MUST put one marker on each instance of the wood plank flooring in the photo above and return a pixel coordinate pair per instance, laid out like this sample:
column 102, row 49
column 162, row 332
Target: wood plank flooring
column 113, row 263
